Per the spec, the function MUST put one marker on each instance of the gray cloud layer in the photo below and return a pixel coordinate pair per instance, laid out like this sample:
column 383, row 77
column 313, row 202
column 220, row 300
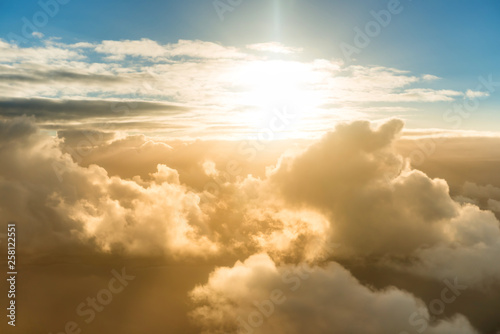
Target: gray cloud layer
column 56, row 110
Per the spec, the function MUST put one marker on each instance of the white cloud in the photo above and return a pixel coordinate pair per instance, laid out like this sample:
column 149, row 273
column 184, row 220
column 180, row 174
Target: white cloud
column 476, row 94
column 119, row 49
column 430, row 77
column 210, row 77
column 274, row 47
column 38, row 34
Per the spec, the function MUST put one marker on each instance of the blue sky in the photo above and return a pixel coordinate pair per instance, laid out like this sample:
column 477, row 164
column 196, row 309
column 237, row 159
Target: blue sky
column 447, row 37
column 455, row 40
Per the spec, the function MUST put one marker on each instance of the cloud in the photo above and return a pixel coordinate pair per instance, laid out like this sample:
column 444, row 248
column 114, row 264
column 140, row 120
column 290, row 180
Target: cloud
column 378, row 206
column 350, row 191
column 88, row 137
column 86, row 183
column 476, row 94
column 471, row 254
column 73, row 207
column 349, row 197
column 147, row 48
column 37, row 34
column 358, row 169
column 430, row 77
column 456, row 156
column 119, row 49
column 427, row 95
column 260, row 296
column 63, row 76
column 274, row 47
column 10, row 53
column 16, row 129
column 57, row 109
column 223, row 81
column 203, row 49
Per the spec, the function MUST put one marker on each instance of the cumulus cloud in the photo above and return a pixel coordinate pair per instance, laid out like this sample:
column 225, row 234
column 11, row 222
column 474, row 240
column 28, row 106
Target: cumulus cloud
column 84, row 206
column 348, row 197
column 364, row 187
column 378, row 206
column 471, row 253
column 350, row 190
column 262, row 297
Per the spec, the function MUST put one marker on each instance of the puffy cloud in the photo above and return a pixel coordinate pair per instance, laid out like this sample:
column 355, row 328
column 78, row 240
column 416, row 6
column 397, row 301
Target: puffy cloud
column 258, row 296
column 348, row 197
column 378, row 207
column 161, row 217
column 74, row 206
column 494, row 205
column 471, row 253
column 473, row 190
column 354, row 177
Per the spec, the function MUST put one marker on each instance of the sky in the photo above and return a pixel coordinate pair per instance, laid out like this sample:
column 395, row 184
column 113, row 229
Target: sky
column 241, row 167
column 454, row 44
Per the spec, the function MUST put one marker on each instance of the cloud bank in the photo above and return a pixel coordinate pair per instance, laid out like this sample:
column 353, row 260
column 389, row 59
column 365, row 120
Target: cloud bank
column 305, row 212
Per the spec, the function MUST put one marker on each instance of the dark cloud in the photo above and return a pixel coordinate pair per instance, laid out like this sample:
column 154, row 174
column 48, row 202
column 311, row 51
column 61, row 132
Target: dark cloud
column 63, row 76
column 52, row 109
column 85, row 137
column 16, row 129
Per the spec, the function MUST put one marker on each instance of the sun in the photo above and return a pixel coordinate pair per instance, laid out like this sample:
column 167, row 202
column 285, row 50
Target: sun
column 271, row 82
column 273, row 85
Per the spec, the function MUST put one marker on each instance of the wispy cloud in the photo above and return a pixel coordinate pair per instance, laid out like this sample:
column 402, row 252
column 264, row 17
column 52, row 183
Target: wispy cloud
column 205, row 77
column 275, row 47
